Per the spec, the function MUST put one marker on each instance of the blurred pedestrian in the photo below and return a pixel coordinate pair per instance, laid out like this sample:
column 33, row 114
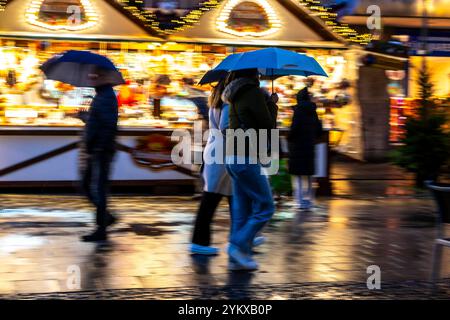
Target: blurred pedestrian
column 252, row 205
column 99, row 143
column 200, row 99
column 217, row 182
column 306, row 128
column 197, row 96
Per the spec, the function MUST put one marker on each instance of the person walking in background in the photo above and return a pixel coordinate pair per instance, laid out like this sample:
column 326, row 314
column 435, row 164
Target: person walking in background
column 197, row 96
column 252, row 204
column 200, row 99
column 217, row 182
column 99, row 143
column 306, row 128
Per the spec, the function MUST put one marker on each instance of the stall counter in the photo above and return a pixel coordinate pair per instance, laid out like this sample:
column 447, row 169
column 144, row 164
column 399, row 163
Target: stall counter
column 49, row 156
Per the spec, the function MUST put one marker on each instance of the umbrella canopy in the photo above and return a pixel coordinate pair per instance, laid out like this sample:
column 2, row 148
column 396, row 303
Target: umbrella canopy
column 82, row 69
column 267, row 74
column 221, row 72
column 213, row 76
column 271, row 63
column 275, row 60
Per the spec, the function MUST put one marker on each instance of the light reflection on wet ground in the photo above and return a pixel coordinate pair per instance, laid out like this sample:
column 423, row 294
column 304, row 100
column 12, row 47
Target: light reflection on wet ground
column 39, row 240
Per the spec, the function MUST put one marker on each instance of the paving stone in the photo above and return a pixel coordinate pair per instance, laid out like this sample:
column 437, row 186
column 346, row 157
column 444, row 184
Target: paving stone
column 146, row 256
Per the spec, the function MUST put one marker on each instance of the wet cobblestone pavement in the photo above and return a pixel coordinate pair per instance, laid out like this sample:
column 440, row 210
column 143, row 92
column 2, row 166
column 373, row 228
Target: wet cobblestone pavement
column 417, row 290
column 321, row 254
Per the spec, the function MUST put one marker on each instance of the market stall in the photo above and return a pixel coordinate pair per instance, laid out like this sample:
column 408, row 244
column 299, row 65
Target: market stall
column 39, row 127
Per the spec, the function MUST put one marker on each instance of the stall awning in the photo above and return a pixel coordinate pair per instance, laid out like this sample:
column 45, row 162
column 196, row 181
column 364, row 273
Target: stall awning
column 109, row 22
column 262, row 43
column 297, row 27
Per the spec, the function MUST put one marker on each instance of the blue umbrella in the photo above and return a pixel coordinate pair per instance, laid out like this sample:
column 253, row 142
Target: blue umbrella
column 213, row 76
column 270, row 62
column 82, row 69
column 275, row 61
column 217, row 73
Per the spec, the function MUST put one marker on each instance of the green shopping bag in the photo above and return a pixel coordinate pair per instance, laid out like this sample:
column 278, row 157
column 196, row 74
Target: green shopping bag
column 281, row 182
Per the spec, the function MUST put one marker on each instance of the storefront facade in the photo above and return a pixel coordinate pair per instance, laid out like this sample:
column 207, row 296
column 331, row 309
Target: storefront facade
column 38, row 124
column 424, row 31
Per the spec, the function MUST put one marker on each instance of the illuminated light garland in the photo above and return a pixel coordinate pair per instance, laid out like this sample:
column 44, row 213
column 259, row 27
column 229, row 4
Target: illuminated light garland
column 32, row 17
column 224, row 16
column 314, row 6
column 149, row 18
column 329, row 18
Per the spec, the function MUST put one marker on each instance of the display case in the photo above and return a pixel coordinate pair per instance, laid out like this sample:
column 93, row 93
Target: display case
column 401, row 108
column 156, row 93
column 40, row 128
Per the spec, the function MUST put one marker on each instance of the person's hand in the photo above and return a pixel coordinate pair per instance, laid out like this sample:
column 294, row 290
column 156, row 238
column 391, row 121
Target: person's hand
column 274, row 97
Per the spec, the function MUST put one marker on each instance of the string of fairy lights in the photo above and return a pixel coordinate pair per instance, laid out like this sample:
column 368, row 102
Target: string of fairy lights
column 150, row 20
column 314, row 6
column 342, row 29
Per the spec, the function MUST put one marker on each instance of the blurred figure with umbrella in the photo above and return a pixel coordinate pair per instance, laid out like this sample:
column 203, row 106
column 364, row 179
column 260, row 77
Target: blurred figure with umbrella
column 217, row 182
column 252, row 197
column 251, row 108
column 86, row 69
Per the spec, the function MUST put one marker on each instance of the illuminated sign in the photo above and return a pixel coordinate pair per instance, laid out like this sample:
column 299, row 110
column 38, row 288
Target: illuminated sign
column 248, row 18
column 71, row 15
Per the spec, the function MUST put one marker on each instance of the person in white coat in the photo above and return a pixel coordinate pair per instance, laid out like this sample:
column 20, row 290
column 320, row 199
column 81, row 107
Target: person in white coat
column 217, row 182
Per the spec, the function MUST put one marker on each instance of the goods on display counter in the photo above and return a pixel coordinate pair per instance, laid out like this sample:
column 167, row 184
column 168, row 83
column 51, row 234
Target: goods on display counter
column 40, row 117
column 402, row 108
column 26, row 98
column 161, row 77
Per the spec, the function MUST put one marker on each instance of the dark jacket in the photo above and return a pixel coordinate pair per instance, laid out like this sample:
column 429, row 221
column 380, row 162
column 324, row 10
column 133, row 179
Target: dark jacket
column 306, row 128
column 248, row 105
column 101, row 125
column 249, row 108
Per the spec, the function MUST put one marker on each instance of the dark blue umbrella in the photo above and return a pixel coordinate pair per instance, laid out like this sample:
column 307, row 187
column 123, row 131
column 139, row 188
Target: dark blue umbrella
column 82, row 69
column 218, row 74
column 213, row 76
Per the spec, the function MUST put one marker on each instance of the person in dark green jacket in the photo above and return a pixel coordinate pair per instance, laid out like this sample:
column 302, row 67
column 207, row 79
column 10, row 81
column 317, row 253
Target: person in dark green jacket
column 252, row 111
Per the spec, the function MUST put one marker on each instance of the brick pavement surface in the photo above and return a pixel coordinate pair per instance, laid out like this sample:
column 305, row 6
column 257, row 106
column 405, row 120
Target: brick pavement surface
column 417, row 290
column 321, row 254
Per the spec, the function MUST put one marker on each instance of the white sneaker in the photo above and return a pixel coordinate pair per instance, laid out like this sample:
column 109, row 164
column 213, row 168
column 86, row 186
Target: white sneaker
column 204, row 250
column 259, row 241
column 240, row 260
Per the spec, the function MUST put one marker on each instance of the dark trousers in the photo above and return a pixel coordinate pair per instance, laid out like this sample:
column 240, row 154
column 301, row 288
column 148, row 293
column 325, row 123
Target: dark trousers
column 95, row 180
column 202, row 229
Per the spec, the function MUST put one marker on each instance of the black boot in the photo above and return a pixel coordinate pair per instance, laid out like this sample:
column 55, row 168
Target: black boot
column 97, row 235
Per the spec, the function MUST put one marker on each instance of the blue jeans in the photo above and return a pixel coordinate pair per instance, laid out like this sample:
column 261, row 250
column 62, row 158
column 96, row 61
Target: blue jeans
column 252, row 205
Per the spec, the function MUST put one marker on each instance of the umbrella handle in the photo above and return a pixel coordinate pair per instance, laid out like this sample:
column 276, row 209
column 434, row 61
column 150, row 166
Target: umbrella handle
column 272, row 81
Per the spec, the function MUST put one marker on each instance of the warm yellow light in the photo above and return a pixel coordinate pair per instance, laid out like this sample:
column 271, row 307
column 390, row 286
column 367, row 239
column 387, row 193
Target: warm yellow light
column 32, row 17
column 274, row 22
